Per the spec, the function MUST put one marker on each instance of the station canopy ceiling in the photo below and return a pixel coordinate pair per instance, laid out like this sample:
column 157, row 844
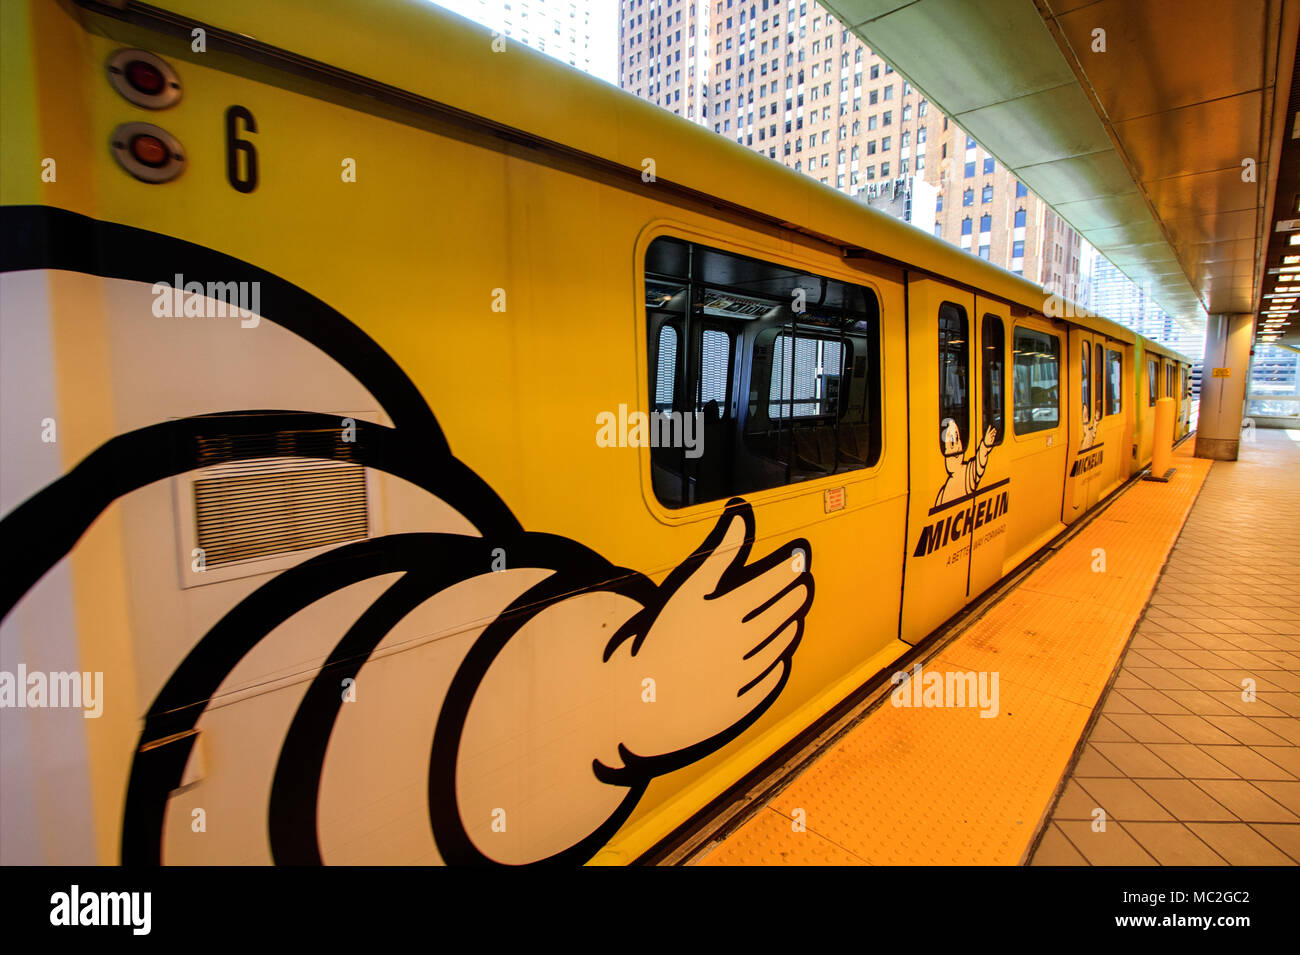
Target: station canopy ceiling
column 1135, row 135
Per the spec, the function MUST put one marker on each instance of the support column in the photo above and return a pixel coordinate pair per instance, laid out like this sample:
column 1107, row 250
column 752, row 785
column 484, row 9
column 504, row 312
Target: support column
column 1227, row 346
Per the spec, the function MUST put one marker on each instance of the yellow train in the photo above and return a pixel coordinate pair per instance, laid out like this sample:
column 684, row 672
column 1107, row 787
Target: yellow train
column 415, row 451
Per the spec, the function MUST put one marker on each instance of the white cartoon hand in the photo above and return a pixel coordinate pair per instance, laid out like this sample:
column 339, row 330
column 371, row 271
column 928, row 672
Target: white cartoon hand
column 719, row 649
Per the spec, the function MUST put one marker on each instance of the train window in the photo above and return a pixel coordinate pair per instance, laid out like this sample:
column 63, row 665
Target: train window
column 1169, row 381
column 1114, row 381
column 1085, row 376
column 765, row 375
column 1099, row 384
column 1184, row 391
column 1151, row 383
column 993, row 357
column 954, row 365
column 1036, row 377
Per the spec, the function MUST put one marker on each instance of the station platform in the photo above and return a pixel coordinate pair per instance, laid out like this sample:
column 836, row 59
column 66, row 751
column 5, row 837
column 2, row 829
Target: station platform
column 1128, row 729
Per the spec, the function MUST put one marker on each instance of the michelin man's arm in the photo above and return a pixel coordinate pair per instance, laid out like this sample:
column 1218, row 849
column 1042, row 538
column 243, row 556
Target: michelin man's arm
column 597, row 694
column 985, row 448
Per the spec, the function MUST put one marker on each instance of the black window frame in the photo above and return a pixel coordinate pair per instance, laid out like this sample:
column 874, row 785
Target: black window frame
column 956, row 314
column 1085, row 376
column 1099, row 382
column 697, row 289
column 987, row 379
column 1152, row 372
column 1114, row 396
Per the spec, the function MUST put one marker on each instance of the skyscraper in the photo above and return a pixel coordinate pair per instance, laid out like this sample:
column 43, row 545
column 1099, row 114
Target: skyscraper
column 784, row 78
column 1117, row 297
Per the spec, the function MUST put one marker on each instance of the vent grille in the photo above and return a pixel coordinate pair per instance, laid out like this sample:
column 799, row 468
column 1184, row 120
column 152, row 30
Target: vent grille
column 271, row 507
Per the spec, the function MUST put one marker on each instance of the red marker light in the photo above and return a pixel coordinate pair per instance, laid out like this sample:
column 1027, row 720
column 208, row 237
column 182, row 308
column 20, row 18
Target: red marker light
column 145, row 77
column 149, row 150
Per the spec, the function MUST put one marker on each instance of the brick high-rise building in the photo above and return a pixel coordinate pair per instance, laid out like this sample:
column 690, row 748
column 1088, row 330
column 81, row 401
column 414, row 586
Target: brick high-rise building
column 664, row 54
column 784, row 78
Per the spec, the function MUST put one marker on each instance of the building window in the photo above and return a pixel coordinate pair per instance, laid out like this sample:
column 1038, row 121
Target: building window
column 986, row 194
column 938, row 203
column 968, row 197
column 1036, row 381
column 986, row 222
column 1018, row 249
column 988, row 164
column 966, row 226
column 970, row 170
column 1020, row 218
column 1021, row 190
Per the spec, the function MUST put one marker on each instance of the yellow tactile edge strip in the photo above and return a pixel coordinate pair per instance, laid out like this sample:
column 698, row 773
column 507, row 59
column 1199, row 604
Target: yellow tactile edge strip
column 943, row 785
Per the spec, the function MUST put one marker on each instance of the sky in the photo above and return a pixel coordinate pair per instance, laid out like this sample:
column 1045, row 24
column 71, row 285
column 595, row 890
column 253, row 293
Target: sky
column 604, row 28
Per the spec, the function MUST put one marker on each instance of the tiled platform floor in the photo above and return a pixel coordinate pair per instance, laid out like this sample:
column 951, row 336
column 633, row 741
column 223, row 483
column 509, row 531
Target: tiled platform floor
column 1187, row 768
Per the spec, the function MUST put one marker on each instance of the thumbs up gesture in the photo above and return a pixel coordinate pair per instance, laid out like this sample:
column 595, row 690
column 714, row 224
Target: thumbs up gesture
column 719, row 647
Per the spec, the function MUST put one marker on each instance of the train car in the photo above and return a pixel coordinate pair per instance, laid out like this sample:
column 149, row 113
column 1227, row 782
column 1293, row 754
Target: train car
column 1164, row 373
column 403, row 470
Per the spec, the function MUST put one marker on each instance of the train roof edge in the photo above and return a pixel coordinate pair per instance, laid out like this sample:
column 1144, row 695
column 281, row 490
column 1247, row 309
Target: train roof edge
column 402, row 38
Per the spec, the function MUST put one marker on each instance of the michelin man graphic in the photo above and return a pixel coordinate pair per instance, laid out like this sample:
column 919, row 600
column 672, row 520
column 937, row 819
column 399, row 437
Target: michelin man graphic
column 1090, row 423
column 963, row 476
column 460, row 690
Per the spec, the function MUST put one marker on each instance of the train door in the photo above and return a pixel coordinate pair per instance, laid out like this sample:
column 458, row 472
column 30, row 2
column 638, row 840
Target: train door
column 1036, row 447
column 1084, row 415
column 1184, row 404
column 1146, row 408
column 948, row 455
column 1111, row 411
column 991, row 498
